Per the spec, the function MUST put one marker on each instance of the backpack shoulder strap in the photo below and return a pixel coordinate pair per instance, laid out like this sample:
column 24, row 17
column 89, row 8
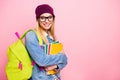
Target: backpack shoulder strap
column 39, row 38
column 23, row 35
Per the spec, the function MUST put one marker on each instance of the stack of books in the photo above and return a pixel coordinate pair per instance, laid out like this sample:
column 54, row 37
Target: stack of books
column 52, row 49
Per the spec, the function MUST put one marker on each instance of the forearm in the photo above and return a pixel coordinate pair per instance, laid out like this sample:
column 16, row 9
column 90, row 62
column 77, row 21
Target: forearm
column 62, row 65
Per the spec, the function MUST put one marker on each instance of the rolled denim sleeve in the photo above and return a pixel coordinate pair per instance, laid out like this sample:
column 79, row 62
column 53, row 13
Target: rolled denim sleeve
column 37, row 53
column 62, row 65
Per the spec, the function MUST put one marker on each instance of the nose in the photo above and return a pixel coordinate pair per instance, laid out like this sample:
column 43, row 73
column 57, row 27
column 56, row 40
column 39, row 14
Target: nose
column 46, row 20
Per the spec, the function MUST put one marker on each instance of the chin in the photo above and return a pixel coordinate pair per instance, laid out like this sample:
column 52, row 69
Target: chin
column 47, row 28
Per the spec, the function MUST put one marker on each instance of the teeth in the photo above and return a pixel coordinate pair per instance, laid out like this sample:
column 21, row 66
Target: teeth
column 46, row 25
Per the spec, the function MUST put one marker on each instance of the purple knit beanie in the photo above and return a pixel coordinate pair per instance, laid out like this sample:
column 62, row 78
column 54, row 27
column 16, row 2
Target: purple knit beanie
column 44, row 8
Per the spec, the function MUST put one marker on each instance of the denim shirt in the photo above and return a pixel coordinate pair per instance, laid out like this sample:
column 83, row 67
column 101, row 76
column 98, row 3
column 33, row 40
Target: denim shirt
column 41, row 59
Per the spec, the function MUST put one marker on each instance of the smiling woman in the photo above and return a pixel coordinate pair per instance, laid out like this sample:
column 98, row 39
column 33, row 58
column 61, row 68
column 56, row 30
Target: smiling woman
column 44, row 63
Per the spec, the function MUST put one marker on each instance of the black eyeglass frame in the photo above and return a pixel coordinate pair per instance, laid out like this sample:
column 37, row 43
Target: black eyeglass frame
column 50, row 18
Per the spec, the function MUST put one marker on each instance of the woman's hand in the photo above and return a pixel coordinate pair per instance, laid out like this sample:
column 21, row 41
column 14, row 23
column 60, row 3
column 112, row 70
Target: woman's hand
column 48, row 68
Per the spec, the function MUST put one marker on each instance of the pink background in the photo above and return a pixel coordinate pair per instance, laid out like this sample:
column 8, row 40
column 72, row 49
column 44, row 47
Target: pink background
column 89, row 29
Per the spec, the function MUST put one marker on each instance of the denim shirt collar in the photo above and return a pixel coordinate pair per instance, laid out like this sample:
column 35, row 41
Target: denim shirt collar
column 47, row 34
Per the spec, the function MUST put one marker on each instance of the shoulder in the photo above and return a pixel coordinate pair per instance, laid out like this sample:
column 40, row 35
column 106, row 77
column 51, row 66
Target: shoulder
column 30, row 35
column 31, row 32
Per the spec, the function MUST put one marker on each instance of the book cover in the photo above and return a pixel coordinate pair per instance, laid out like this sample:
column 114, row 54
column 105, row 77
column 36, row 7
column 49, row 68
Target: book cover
column 52, row 49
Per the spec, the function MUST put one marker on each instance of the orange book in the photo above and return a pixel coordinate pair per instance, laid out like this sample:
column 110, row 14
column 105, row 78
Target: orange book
column 55, row 48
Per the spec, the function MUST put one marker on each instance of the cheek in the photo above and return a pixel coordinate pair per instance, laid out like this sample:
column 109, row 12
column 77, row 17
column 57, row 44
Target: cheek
column 51, row 23
column 41, row 24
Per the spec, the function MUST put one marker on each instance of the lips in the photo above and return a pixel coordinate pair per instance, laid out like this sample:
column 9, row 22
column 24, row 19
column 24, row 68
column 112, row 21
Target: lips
column 46, row 25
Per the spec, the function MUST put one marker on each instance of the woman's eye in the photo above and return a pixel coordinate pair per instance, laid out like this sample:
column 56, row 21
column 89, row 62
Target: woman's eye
column 42, row 17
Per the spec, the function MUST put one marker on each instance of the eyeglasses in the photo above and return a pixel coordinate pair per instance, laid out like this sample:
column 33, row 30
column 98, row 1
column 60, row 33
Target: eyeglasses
column 43, row 18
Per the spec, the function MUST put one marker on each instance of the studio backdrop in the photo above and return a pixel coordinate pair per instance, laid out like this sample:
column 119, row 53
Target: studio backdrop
column 89, row 29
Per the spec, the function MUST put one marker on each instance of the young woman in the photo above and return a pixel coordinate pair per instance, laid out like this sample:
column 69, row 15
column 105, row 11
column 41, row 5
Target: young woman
column 45, row 19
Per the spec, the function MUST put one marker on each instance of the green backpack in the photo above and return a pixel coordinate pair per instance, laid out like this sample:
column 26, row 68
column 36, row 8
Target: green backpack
column 19, row 66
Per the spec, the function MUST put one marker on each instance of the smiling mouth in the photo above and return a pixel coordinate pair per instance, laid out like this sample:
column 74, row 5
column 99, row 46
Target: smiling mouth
column 46, row 25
